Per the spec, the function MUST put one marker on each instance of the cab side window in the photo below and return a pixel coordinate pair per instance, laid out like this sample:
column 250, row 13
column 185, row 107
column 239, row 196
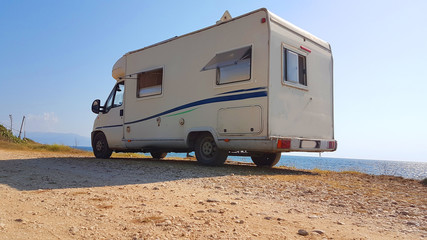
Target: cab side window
column 115, row 99
column 118, row 98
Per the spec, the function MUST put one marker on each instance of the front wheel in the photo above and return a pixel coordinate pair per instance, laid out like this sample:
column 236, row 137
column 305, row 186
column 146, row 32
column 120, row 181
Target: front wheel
column 207, row 152
column 265, row 159
column 100, row 146
column 158, row 155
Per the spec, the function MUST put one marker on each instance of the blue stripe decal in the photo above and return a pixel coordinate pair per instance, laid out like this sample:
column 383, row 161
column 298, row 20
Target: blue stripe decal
column 121, row 125
column 206, row 101
column 243, row 90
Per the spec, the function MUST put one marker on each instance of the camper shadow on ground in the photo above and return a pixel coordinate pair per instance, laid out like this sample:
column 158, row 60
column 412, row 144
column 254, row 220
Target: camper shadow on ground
column 61, row 173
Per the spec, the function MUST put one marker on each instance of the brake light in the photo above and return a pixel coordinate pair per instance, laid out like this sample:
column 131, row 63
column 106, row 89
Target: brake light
column 284, row 143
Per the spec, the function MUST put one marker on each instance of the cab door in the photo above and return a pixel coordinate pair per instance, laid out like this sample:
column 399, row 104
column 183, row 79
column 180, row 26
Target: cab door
column 112, row 117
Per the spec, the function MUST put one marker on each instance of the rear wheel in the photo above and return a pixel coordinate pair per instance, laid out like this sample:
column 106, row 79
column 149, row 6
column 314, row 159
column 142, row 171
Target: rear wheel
column 158, row 155
column 100, row 146
column 265, row 159
column 207, row 152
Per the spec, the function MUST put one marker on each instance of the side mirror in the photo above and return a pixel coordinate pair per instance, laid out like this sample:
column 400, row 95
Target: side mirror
column 96, row 106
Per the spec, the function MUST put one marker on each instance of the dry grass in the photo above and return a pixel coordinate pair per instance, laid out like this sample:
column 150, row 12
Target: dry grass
column 33, row 146
column 128, row 155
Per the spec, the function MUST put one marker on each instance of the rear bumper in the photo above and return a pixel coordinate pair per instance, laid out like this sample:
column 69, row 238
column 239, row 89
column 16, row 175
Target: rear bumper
column 306, row 145
column 278, row 144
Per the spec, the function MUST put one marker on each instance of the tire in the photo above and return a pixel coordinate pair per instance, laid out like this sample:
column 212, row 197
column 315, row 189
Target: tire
column 266, row 159
column 207, row 152
column 158, row 155
column 100, row 146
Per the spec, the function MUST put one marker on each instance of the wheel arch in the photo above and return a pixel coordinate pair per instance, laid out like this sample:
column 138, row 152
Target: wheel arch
column 194, row 133
column 93, row 134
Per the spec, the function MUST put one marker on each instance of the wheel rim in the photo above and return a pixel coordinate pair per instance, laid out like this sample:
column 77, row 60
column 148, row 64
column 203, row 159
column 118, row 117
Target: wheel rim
column 208, row 148
column 99, row 146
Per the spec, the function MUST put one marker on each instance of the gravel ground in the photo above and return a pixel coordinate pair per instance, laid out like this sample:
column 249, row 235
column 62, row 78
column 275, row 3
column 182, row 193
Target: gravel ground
column 57, row 196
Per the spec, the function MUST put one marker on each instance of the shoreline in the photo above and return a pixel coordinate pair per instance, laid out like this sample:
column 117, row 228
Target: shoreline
column 71, row 196
column 369, row 166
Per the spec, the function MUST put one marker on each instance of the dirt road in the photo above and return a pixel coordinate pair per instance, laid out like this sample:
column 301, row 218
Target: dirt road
column 57, row 196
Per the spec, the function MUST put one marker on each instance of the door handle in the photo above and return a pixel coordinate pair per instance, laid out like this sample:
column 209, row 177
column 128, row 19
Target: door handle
column 121, row 112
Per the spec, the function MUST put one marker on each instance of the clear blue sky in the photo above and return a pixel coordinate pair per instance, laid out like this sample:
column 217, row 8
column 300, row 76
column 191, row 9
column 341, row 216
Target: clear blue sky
column 56, row 58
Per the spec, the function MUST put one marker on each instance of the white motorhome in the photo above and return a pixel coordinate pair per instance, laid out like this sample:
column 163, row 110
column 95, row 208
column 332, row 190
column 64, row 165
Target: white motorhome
column 252, row 85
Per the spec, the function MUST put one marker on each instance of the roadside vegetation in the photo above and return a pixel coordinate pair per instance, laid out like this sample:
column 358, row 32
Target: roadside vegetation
column 10, row 141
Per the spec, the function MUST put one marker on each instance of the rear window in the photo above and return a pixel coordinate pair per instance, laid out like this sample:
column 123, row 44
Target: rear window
column 294, row 67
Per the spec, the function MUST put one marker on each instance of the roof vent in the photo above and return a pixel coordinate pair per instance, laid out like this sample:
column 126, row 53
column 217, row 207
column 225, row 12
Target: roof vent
column 225, row 17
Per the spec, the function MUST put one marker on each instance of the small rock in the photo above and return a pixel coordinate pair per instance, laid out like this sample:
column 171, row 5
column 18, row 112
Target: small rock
column 168, row 222
column 2, row 225
column 313, row 217
column 156, row 188
column 318, row 231
column 267, row 218
column 212, row 200
column 233, row 203
column 240, row 221
column 404, row 213
column 302, row 232
column 293, row 210
column 409, row 223
column 340, row 223
column 19, row 220
column 73, row 230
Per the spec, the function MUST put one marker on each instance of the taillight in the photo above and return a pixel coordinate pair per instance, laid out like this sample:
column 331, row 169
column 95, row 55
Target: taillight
column 332, row 145
column 284, row 143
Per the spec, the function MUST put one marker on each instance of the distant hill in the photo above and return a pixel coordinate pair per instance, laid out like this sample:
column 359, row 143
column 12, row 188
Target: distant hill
column 68, row 139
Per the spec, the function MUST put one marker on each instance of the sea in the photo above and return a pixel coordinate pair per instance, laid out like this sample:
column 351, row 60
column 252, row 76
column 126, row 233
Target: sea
column 406, row 169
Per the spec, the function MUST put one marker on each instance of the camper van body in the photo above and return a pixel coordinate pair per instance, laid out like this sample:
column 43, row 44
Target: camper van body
column 255, row 84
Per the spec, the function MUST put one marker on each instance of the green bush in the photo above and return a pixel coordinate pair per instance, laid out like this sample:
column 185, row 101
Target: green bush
column 7, row 135
column 424, row 182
